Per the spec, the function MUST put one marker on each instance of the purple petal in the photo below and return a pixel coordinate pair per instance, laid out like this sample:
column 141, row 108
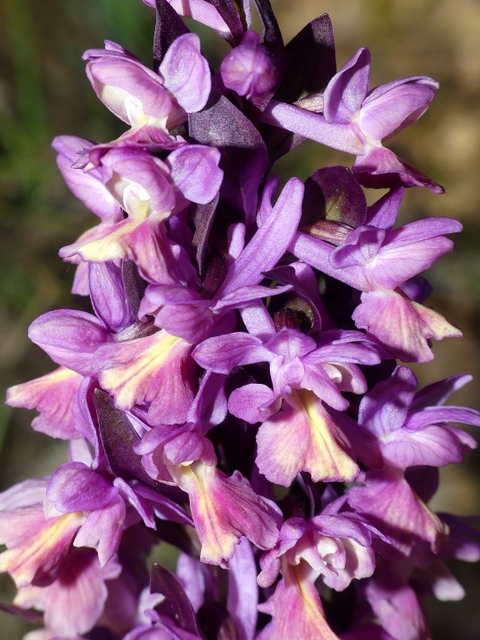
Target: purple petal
column 438, row 392
column 390, row 504
column 102, row 530
column 186, row 73
column 87, row 186
column 243, row 591
column 403, row 326
column 222, row 353
column 379, row 167
column 195, row 172
column 73, row 487
column 131, row 91
column 52, row 395
column 393, row 106
column 384, row 409
column 69, row 337
column 433, row 446
column 108, row 296
column 253, row 403
column 383, row 213
column 269, row 243
column 199, row 10
column 347, row 90
column 341, row 136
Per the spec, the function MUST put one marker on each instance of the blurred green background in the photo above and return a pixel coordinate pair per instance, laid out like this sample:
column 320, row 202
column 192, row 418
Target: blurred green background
column 44, row 92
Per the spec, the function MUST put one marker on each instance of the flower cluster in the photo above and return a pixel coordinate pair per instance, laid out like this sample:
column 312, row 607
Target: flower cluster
column 235, row 390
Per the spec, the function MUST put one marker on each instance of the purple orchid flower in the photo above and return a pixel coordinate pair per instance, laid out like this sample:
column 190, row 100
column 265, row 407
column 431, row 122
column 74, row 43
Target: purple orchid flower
column 378, row 261
column 147, row 188
column 305, row 374
column 183, row 312
column 398, row 428
column 221, row 506
column 337, row 547
column 123, row 356
column 357, row 121
column 143, row 99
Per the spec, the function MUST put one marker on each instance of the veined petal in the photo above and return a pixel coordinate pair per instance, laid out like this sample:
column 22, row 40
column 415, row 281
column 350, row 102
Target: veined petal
column 396, row 606
column 402, row 325
column 341, row 136
column 139, row 182
column 396, row 263
column 131, row 91
column 377, row 166
column 254, row 402
column 74, row 487
column 156, row 369
column 52, row 395
column 224, row 509
column 103, row 243
column 270, row 241
column 390, row 504
column 36, row 546
column 109, row 297
column 186, row 72
column 384, row 409
column 434, row 446
column 296, row 609
column 195, row 172
column 222, row 353
column 303, row 437
column 102, row 530
column 69, row 337
column 347, row 90
column 87, row 186
column 393, row 106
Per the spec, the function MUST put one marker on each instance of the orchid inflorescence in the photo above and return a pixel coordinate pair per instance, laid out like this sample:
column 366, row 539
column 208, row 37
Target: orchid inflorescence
column 235, row 391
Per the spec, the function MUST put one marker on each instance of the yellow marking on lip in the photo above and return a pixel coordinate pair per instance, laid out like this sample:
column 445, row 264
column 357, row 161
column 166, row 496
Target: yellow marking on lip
column 327, row 458
column 23, row 562
column 212, row 527
column 124, row 378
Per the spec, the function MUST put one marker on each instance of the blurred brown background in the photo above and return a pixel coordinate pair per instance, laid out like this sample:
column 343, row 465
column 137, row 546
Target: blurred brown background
column 44, row 93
